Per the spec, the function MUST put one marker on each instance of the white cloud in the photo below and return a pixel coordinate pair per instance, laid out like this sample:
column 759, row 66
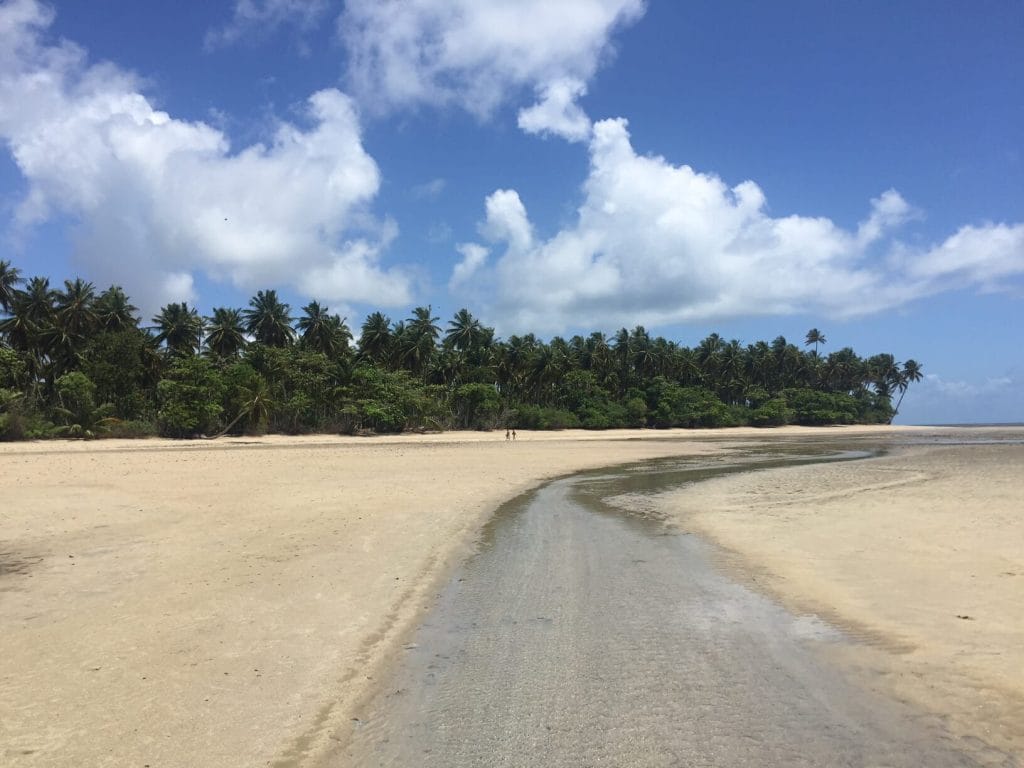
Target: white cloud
column 429, row 190
column 473, row 258
column 887, row 212
column 507, row 220
column 557, row 112
column 477, row 54
column 263, row 17
column 983, row 256
column 158, row 199
column 658, row 243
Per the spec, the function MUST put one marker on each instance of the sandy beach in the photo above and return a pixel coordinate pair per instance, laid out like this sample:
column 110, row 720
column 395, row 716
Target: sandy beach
column 227, row 603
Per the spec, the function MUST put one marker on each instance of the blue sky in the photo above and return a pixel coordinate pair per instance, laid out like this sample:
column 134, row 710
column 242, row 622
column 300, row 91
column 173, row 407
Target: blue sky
column 749, row 168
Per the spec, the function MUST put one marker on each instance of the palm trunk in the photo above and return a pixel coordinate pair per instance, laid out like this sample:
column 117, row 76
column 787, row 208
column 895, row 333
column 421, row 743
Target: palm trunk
column 896, row 410
column 228, row 427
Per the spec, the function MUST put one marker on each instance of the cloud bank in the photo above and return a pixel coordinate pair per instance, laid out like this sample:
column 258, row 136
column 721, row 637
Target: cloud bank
column 157, row 199
column 657, row 243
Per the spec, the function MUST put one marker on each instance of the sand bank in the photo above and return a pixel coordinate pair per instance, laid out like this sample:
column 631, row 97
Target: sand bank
column 226, row 603
column 919, row 553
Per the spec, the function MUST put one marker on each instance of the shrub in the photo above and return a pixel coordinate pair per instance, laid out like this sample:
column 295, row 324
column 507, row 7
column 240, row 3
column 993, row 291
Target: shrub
column 189, row 398
column 538, row 417
column 773, row 413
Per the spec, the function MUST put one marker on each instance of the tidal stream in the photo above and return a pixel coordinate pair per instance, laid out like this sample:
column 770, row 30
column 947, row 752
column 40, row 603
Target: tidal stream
column 584, row 635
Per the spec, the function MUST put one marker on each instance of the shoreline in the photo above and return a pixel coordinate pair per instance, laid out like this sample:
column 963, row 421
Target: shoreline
column 225, row 602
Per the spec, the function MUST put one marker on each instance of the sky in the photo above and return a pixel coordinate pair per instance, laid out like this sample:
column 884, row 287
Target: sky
column 556, row 166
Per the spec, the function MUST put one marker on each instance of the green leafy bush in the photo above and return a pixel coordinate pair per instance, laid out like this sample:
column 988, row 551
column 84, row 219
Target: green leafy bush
column 189, row 398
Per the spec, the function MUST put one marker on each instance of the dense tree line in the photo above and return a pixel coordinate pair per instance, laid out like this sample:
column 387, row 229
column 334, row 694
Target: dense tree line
column 76, row 361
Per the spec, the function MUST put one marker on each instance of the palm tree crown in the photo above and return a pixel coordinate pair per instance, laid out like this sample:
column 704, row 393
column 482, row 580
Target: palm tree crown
column 114, row 311
column 815, row 337
column 225, row 332
column 179, row 327
column 323, row 332
column 10, row 279
column 268, row 320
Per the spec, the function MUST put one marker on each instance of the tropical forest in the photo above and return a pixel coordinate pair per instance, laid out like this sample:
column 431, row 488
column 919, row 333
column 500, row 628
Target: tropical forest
column 76, row 361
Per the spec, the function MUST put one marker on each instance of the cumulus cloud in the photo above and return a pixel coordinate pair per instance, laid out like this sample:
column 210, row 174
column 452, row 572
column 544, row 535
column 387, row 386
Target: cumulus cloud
column 976, row 255
column 158, row 199
column 557, row 112
column 263, row 17
column 473, row 258
column 477, row 54
column 657, row 243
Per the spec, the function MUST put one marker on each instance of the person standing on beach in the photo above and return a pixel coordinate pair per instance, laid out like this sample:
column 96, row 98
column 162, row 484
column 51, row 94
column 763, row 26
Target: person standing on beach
column 507, row 435
column 513, row 433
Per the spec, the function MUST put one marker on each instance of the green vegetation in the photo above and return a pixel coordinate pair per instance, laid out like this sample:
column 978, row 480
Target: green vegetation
column 77, row 362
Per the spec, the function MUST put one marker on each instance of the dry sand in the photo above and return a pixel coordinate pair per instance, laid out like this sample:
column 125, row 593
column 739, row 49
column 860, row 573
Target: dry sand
column 919, row 553
column 194, row 604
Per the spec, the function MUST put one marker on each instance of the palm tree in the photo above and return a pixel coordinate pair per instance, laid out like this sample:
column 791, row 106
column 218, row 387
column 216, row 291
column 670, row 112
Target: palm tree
column 114, row 311
column 884, row 373
column 815, row 337
column 375, row 338
column 419, row 340
column 225, row 332
column 268, row 320
column 322, row 331
column 10, row 279
column 911, row 373
column 76, row 314
column 464, row 331
column 179, row 327
column 36, row 301
column 255, row 406
column 32, row 316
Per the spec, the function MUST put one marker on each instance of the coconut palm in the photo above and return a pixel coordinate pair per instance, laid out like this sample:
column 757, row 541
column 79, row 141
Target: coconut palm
column 114, row 311
column 464, row 331
column 911, row 373
column 268, row 320
column 815, row 337
column 179, row 327
column 32, row 313
column 75, row 310
column 256, row 405
column 323, row 332
column 884, row 373
column 225, row 332
column 375, row 338
column 419, row 341
column 10, row 279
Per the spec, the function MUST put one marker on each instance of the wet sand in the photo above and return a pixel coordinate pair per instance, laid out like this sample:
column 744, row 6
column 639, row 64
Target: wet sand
column 580, row 635
column 229, row 603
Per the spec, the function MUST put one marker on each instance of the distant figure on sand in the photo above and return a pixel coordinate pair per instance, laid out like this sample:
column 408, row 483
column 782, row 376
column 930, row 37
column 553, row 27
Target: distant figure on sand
column 513, row 434
column 507, row 435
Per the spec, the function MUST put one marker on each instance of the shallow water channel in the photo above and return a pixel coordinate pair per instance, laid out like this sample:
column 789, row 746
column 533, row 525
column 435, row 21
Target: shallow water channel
column 581, row 634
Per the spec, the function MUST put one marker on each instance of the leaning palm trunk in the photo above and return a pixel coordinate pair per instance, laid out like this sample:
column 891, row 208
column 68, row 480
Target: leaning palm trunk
column 896, row 410
column 227, row 429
